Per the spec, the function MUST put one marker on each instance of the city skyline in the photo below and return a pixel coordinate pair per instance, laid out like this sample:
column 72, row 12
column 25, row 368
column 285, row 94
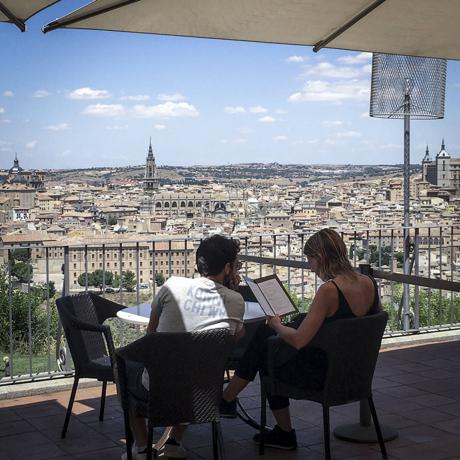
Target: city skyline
column 78, row 99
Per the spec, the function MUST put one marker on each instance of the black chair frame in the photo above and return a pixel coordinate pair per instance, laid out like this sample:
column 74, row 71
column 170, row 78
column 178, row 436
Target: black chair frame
column 351, row 348
column 186, row 373
column 90, row 342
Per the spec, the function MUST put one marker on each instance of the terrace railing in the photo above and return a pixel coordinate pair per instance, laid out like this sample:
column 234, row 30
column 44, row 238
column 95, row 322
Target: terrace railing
column 30, row 339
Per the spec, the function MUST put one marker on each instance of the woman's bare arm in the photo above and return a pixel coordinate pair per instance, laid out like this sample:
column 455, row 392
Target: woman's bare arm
column 324, row 300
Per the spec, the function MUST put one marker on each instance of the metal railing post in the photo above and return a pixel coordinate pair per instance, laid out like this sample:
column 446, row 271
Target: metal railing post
column 416, row 288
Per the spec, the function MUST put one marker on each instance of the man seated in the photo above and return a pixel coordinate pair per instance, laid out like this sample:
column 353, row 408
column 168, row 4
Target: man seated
column 185, row 305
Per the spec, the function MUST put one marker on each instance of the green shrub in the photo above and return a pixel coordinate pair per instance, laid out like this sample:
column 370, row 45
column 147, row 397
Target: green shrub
column 25, row 306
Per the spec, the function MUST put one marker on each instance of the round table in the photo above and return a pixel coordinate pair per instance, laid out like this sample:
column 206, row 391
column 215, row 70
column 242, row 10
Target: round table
column 140, row 314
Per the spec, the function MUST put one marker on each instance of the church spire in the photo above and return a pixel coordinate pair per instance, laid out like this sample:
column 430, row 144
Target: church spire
column 426, row 158
column 443, row 145
column 150, row 154
column 151, row 181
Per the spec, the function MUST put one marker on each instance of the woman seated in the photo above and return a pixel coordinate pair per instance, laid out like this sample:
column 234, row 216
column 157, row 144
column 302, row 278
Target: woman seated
column 344, row 294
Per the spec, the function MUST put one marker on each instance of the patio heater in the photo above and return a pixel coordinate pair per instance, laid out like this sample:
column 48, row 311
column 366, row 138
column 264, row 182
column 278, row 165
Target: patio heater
column 402, row 87
column 407, row 87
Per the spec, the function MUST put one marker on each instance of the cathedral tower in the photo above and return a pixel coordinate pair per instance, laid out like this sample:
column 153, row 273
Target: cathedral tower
column 151, row 181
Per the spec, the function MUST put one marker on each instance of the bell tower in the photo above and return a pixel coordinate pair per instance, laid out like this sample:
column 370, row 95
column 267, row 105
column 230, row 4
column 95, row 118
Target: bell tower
column 151, row 181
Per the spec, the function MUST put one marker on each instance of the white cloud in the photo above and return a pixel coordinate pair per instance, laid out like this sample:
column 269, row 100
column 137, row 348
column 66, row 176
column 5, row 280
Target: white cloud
column 355, row 59
column 58, row 127
column 2, row 110
column 40, row 93
column 117, row 127
column 328, row 70
column 367, row 69
column 296, row 59
column 330, row 142
column 343, row 134
column 234, row 109
column 267, row 119
column 280, row 111
column 5, row 120
column 312, row 141
column 280, row 138
column 88, row 94
column 31, row 144
column 137, row 97
column 104, row 110
column 160, row 127
column 257, row 109
column 331, row 123
column 171, row 97
column 8, row 93
column 239, row 140
column 323, row 91
column 167, row 110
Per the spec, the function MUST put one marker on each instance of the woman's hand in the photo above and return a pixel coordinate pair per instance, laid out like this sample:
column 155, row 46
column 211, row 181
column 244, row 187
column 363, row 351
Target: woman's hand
column 274, row 322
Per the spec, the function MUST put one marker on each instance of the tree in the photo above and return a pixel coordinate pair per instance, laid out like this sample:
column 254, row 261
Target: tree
column 97, row 278
column 116, row 280
column 112, row 221
column 21, row 267
column 25, row 307
column 129, row 280
column 23, row 271
column 374, row 257
column 82, row 279
column 159, row 279
column 21, row 255
column 43, row 289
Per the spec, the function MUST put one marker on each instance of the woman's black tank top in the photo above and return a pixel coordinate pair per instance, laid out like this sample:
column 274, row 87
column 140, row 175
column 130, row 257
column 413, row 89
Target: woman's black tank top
column 344, row 310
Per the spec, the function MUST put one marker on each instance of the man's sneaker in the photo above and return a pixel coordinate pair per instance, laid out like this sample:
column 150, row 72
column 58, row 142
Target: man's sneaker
column 227, row 409
column 278, row 439
column 135, row 454
column 171, row 449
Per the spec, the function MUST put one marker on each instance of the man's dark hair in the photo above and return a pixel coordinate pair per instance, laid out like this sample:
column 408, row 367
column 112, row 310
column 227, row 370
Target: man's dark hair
column 214, row 252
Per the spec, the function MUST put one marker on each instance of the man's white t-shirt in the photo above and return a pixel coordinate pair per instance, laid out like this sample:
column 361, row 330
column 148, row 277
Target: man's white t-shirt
column 187, row 305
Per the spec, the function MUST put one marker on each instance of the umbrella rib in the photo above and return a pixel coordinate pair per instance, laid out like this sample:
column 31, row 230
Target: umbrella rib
column 343, row 28
column 57, row 24
column 15, row 20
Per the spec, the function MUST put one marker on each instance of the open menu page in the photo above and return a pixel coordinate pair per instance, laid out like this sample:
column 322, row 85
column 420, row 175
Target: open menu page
column 259, row 296
column 278, row 298
column 271, row 295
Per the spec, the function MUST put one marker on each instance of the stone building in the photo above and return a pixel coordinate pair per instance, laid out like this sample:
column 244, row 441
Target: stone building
column 443, row 171
column 18, row 175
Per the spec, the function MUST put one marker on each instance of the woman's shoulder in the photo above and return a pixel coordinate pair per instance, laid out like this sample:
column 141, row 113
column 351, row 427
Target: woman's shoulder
column 328, row 289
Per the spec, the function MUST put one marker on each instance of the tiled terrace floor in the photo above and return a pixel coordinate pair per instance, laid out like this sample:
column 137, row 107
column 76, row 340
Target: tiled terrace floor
column 416, row 391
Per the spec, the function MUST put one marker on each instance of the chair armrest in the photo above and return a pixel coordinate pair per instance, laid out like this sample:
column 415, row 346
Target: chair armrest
column 105, row 308
column 103, row 329
column 84, row 326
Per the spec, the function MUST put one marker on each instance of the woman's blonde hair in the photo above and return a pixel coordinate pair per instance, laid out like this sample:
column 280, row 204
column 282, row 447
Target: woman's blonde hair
column 330, row 251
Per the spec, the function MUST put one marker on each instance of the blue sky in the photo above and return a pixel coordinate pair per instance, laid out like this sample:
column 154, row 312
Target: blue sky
column 74, row 99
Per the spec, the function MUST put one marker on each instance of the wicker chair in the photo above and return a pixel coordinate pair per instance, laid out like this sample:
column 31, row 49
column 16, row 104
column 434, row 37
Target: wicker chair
column 351, row 348
column 186, row 372
column 90, row 341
